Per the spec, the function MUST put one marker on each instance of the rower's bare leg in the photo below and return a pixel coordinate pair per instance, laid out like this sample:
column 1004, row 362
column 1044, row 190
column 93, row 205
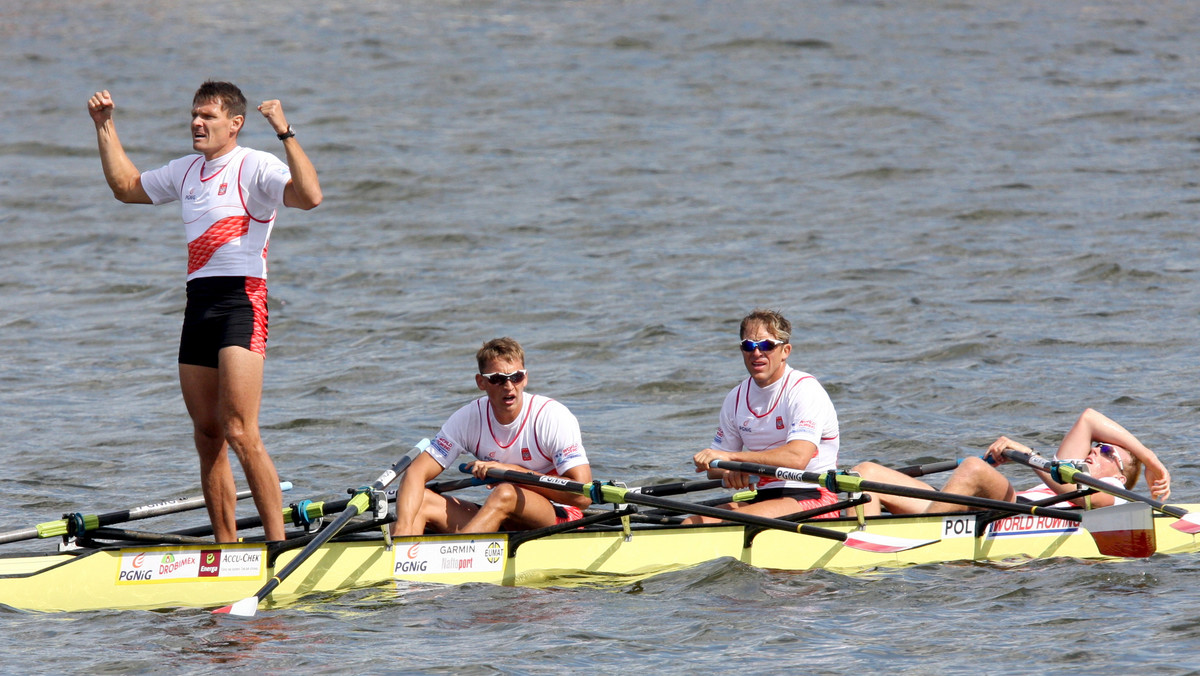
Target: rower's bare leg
column 769, row 508
column 976, row 478
column 513, row 507
column 199, row 386
column 442, row 514
column 896, row 504
column 241, row 377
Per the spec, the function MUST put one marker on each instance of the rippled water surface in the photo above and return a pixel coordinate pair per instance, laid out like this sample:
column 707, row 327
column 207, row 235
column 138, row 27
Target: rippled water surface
column 981, row 217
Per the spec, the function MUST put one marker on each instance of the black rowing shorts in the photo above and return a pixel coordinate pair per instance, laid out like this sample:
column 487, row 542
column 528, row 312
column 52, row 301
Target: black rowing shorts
column 222, row 312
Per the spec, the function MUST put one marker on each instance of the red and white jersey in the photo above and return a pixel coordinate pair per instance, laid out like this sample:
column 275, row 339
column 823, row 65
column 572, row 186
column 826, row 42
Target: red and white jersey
column 228, row 206
column 1042, row 491
column 754, row 418
column 544, row 438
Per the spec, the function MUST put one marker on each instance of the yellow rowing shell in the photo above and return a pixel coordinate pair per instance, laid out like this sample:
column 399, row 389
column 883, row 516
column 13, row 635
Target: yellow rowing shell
column 199, row 576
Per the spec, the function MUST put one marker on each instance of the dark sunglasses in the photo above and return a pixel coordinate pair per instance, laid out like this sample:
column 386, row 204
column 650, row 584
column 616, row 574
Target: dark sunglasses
column 500, row 378
column 766, row 345
column 1111, row 453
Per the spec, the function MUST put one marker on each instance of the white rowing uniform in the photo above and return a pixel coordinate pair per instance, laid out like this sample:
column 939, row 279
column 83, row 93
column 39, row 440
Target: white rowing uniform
column 757, row 418
column 544, row 438
column 228, row 207
column 1042, row 491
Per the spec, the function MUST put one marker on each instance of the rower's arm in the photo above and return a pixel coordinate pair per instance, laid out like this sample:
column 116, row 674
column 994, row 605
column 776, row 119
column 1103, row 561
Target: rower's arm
column 123, row 177
column 796, row 454
column 303, row 190
column 411, row 494
column 1093, row 426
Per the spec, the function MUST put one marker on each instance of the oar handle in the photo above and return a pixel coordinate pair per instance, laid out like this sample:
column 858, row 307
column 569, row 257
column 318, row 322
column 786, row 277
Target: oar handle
column 929, row 468
column 848, row 483
column 680, row 487
column 454, row 485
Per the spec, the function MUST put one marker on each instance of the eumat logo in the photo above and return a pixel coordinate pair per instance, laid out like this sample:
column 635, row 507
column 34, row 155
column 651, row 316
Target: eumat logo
column 493, row 552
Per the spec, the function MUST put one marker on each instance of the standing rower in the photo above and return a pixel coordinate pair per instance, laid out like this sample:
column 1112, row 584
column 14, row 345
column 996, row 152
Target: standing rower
column 229, row 197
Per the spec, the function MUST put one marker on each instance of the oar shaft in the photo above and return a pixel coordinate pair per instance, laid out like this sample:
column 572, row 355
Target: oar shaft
column 618, row 495
column 357, row 504
column 680, row 487
column 853, row 484
column 61, row 527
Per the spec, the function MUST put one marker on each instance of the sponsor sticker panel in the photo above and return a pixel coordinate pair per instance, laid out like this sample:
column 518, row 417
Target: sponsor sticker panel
column 431, row 557
column 1016, row 526
column 163, row 565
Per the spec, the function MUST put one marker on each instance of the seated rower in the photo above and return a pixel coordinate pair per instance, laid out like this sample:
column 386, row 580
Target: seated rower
column 778, row 416
column 1110, row 452
column 505, row 429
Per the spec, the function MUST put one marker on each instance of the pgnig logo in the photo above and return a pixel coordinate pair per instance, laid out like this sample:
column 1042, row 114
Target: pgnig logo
column 493, row 552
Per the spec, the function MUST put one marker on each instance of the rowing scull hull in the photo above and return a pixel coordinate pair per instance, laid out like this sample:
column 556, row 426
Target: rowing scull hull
column 170, row 576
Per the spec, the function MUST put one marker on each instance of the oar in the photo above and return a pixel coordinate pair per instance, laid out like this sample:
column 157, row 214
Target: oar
column 929, row 468
column 248, row 606
column 679, row 487
column 1069, row 474
column 1111, row 540
column 709, row 484
column 77, row 524
column 453, row 484
column 598, row 492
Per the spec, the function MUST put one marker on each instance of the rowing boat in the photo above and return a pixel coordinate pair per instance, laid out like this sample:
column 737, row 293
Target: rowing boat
column 610, row 551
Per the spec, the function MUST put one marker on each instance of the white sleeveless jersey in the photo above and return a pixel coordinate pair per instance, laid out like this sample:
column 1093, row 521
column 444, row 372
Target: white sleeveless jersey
column 1042, row 491
column 544, row 438
column 794, row 407
column 228, row 208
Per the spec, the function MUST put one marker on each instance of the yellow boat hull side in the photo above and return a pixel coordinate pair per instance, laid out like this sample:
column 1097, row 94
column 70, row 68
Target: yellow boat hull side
column 154, row 577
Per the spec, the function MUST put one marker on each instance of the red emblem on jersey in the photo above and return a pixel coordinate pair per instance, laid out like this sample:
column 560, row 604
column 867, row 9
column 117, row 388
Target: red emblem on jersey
column 525, row 454
column 221, row 190
column 778, row 422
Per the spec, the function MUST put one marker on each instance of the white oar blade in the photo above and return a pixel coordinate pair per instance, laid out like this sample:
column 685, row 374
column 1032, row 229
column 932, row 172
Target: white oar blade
column 1188, row 523
column 247, row 607
column 882, row 544
column 1122, row 530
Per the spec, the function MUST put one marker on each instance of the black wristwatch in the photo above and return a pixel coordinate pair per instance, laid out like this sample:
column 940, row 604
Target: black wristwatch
column 287, row 134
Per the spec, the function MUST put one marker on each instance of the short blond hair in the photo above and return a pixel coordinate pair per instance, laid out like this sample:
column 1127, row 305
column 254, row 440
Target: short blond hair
column 500, row 348
column 774, row 322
